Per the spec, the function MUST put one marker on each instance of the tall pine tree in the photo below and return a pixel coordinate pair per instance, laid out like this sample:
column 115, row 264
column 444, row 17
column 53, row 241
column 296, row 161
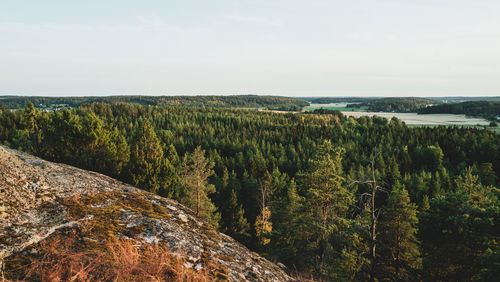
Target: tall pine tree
column 148, row 167
column 399, row 252
column 235, row 223
column 196, row 171
column 328, row 198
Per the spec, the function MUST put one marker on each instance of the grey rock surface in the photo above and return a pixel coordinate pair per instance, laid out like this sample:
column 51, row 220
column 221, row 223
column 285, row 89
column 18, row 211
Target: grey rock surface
column 31, row 210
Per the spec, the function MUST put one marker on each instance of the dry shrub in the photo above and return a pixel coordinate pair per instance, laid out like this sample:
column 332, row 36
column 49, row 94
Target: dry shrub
column 55, row 259
column 97, row 251
column 149, row 262
column 61, row 258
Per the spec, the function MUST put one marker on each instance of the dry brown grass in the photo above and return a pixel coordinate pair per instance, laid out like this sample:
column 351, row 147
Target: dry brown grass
column 97, row 250
column 60, row 258
column 149, row 262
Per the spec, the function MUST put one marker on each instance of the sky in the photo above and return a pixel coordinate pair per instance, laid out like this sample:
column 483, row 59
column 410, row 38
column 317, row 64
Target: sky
column 271, row 47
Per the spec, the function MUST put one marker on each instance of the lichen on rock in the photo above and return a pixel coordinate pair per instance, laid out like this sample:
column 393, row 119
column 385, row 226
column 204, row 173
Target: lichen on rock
column 40, row 199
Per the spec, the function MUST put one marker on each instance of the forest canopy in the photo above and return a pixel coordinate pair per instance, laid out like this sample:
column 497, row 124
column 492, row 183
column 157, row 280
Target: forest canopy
column 333, row 197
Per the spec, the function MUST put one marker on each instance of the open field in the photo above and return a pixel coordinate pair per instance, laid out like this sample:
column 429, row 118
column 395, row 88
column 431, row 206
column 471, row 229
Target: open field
column 333, row 107
column 411, row 119
column 430, row 119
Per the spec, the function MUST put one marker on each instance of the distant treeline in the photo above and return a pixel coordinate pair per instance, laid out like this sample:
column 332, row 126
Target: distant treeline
column 388, row 104
column 325, row 112
column 487, row 109
column 459, row 99
column 398, row 104
column 246, row 101
column 329, row 100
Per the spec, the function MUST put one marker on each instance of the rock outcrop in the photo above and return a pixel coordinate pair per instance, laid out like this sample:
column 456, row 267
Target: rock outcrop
column 39, row 198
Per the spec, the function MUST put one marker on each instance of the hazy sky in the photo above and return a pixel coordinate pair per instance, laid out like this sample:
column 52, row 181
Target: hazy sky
column 279, row 47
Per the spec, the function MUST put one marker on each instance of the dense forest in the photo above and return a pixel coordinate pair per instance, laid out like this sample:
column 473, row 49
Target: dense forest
column 241, row 101
column 487, row 109
column 397, row 104
column 334, row 197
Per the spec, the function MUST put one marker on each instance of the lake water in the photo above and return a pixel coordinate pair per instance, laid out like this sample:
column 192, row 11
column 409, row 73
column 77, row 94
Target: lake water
column 430, row 119
column 335, row 105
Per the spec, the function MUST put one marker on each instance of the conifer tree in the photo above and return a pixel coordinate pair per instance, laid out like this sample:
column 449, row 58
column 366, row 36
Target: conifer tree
column 31, row 118
column 460, row 231
column 435, row 184
column 399, row 250
column 148, row 167
column 328, row 198
column 247, row 191
column 235, row 223
column 101, row 149
column 263, row 223
column 196, row 171
column 290, row 235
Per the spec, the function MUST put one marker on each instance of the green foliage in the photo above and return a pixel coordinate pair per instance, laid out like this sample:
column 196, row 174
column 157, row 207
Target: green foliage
column 289, row 234
column 460, row 232
column 105, row 150
column 326, row 194
column 328, row 201
column 196, row 171
column 486, row 173
column 247, row 101
column 234, row 222
column 397, row 104
column 399, row 247
column 486, row 109
column 32, row 130
column 247, row 150
column 149, row 168
column 347, row 260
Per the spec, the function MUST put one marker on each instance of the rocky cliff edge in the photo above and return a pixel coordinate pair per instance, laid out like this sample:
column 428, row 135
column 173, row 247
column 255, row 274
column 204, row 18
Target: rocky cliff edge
column 39, row 199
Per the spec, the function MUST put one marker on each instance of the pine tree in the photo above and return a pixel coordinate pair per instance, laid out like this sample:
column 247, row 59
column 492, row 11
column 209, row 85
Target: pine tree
column 101, row 149
column 424, row 206
column 247, row 191
column 148, row 168
column 399, row 250
column 460, row 231
column 327, row 197
column 435, row 188
column 374, row 215
column 196, row 171
column 393, row 175
column 446, row 183
column 235, row 223
column 31, row 118
column 291, row 230
column 263, row 224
